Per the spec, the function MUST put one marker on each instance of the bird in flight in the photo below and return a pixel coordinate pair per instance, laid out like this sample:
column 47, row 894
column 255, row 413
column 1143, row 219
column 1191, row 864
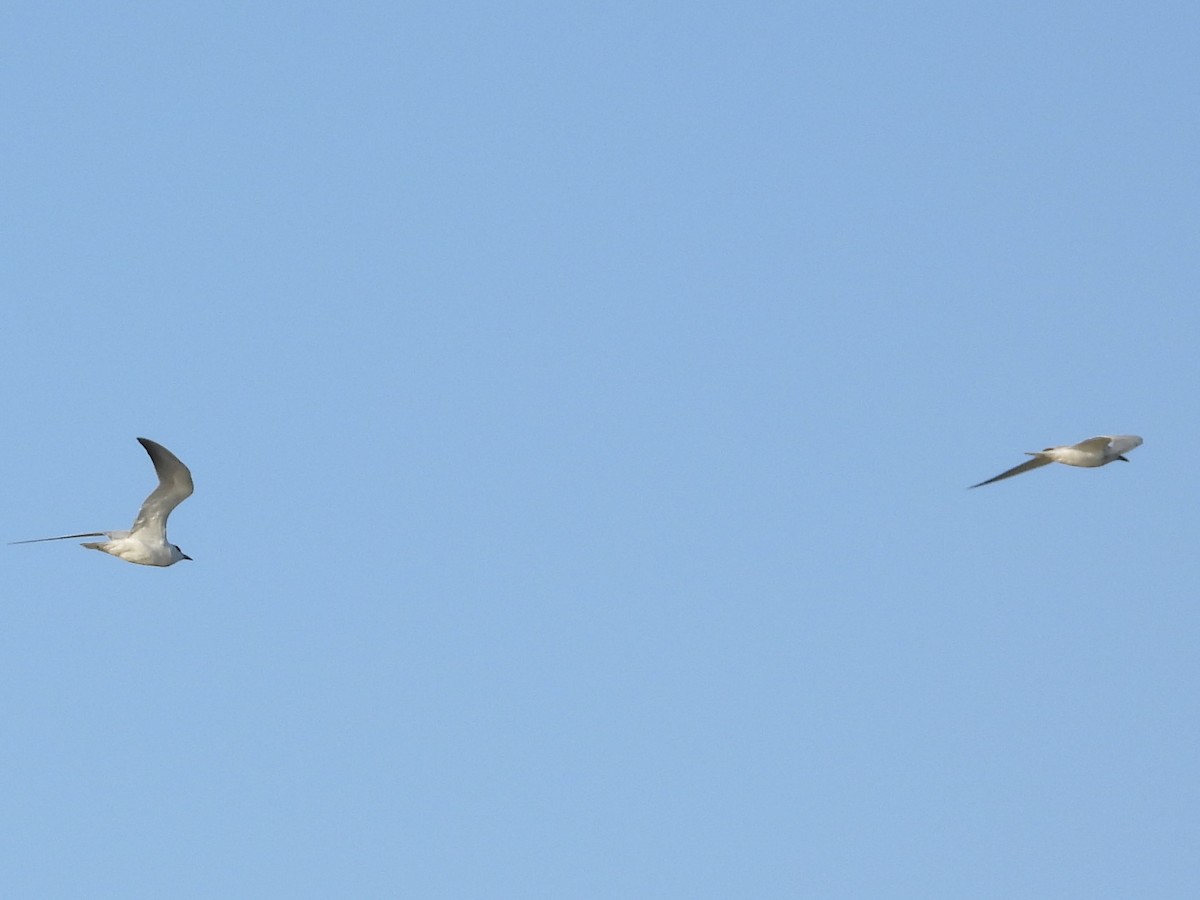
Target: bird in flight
column 1097, row 451
column 146, row 543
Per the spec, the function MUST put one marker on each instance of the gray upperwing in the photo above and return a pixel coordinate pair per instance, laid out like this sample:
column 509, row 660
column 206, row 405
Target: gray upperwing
column 174, row 486
column 1036, row 463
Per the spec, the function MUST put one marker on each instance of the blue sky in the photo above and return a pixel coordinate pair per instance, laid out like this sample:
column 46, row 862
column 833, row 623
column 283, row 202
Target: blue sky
column 581, row 400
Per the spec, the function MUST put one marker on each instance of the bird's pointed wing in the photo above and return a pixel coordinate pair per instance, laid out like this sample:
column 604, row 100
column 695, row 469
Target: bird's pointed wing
column 1028, row 465
column 1121, row 443
column 61, row 537
column 174, row 486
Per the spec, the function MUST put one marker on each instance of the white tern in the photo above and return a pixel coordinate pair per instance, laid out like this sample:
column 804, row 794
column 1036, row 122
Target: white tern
column 146, row 543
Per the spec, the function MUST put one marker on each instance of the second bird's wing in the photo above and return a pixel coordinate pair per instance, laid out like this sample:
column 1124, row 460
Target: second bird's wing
column 1035, row 463
column 1122, row 443
column 1096, row 444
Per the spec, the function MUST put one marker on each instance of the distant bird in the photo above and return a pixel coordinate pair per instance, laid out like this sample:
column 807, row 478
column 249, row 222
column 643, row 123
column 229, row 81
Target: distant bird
column 1097, row 451
column 146, row 544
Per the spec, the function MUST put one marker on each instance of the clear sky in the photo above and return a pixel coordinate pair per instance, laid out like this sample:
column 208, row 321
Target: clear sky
column 581, row 400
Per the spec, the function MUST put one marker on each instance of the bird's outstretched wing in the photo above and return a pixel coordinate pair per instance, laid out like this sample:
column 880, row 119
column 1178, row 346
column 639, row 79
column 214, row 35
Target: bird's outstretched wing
column 174, row 486
column 1035, row 463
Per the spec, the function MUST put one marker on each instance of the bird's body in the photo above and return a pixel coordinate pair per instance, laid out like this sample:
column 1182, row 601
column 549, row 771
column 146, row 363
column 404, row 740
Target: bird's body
column 135, row 548
column 146, row 542
column 1089, row 454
